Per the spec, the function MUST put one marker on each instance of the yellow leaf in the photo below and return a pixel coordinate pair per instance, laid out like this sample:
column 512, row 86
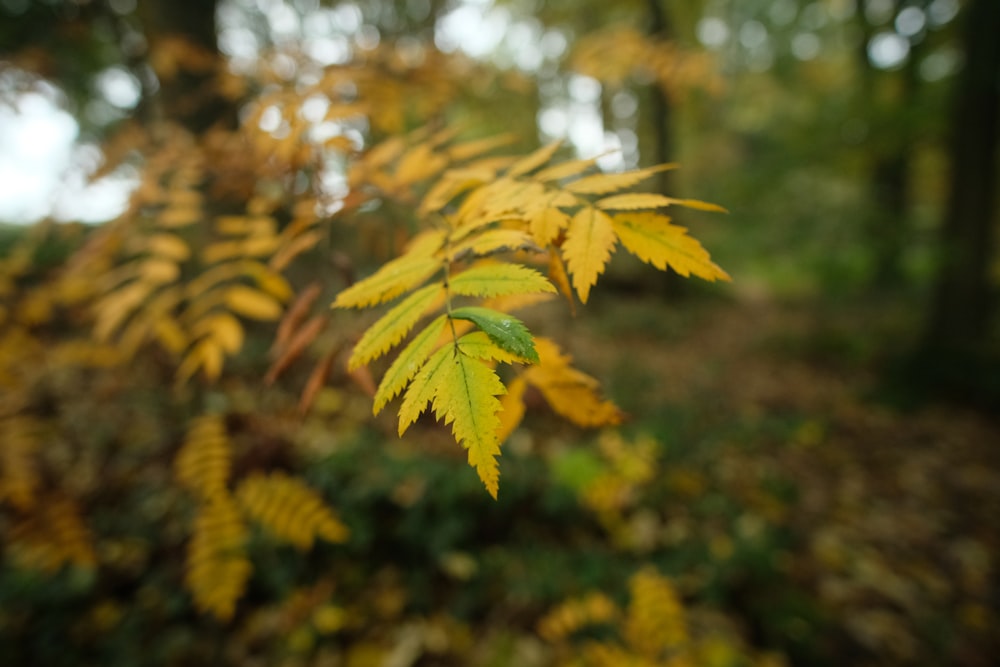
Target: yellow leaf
column 224, row 328
column 635, row 200
column 651, row 238
column 533, row 161
column 558, row 275
column 113, row 309
column 170, row 334
column 466, row 397
column 511, row 196
column 385, row 152
column 571, row 393
column 409, row 362
column 565, row 170
column 236, row 225
column 388, row 282
column 392, row 327
column 470, row 149
column 511, row 408
column 197, row 287
column 207, row 355
column 158, row 271
column 453, row 183
column 259, row 246
column 700, row 205
column 419, row 163
column 179, row 216
column 395, row 277
column 590, row 240
column 546, row 224
column 221, row 250
column 292, row 249
column 169, row 246
column 487, row 280
column 600, row 184
column 252, row 303
column 269, row 280
column 424, row 385
column 492, row 241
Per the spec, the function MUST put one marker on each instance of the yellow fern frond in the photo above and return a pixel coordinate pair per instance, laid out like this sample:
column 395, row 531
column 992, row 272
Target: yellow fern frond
column 217, row 568
column 576, row 614
column 202, row 464
column 289, row 509
column 52, row 537
column 20, row 436
column 654, row 622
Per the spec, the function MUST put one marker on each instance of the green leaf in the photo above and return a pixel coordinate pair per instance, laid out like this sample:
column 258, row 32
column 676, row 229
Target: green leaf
column 479, row 345
column 509, row 333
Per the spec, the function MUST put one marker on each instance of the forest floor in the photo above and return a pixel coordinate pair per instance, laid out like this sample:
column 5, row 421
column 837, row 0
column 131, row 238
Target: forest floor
column 894, row 518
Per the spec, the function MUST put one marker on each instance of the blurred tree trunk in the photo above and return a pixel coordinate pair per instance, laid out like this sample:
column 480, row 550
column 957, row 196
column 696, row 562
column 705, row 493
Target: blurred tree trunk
column 660, row 116
column 660, row 124
column 892, row 127
column 962, row 305
column 189, row 94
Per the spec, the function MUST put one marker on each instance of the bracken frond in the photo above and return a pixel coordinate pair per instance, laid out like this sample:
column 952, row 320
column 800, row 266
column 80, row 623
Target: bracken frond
column 289, row 509
column 217, row 568
column 203, row 462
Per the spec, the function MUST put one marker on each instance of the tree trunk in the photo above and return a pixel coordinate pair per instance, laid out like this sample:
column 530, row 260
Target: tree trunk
column 962, row 305
column 660, row 123
column 188, row 95
column 886, row 226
